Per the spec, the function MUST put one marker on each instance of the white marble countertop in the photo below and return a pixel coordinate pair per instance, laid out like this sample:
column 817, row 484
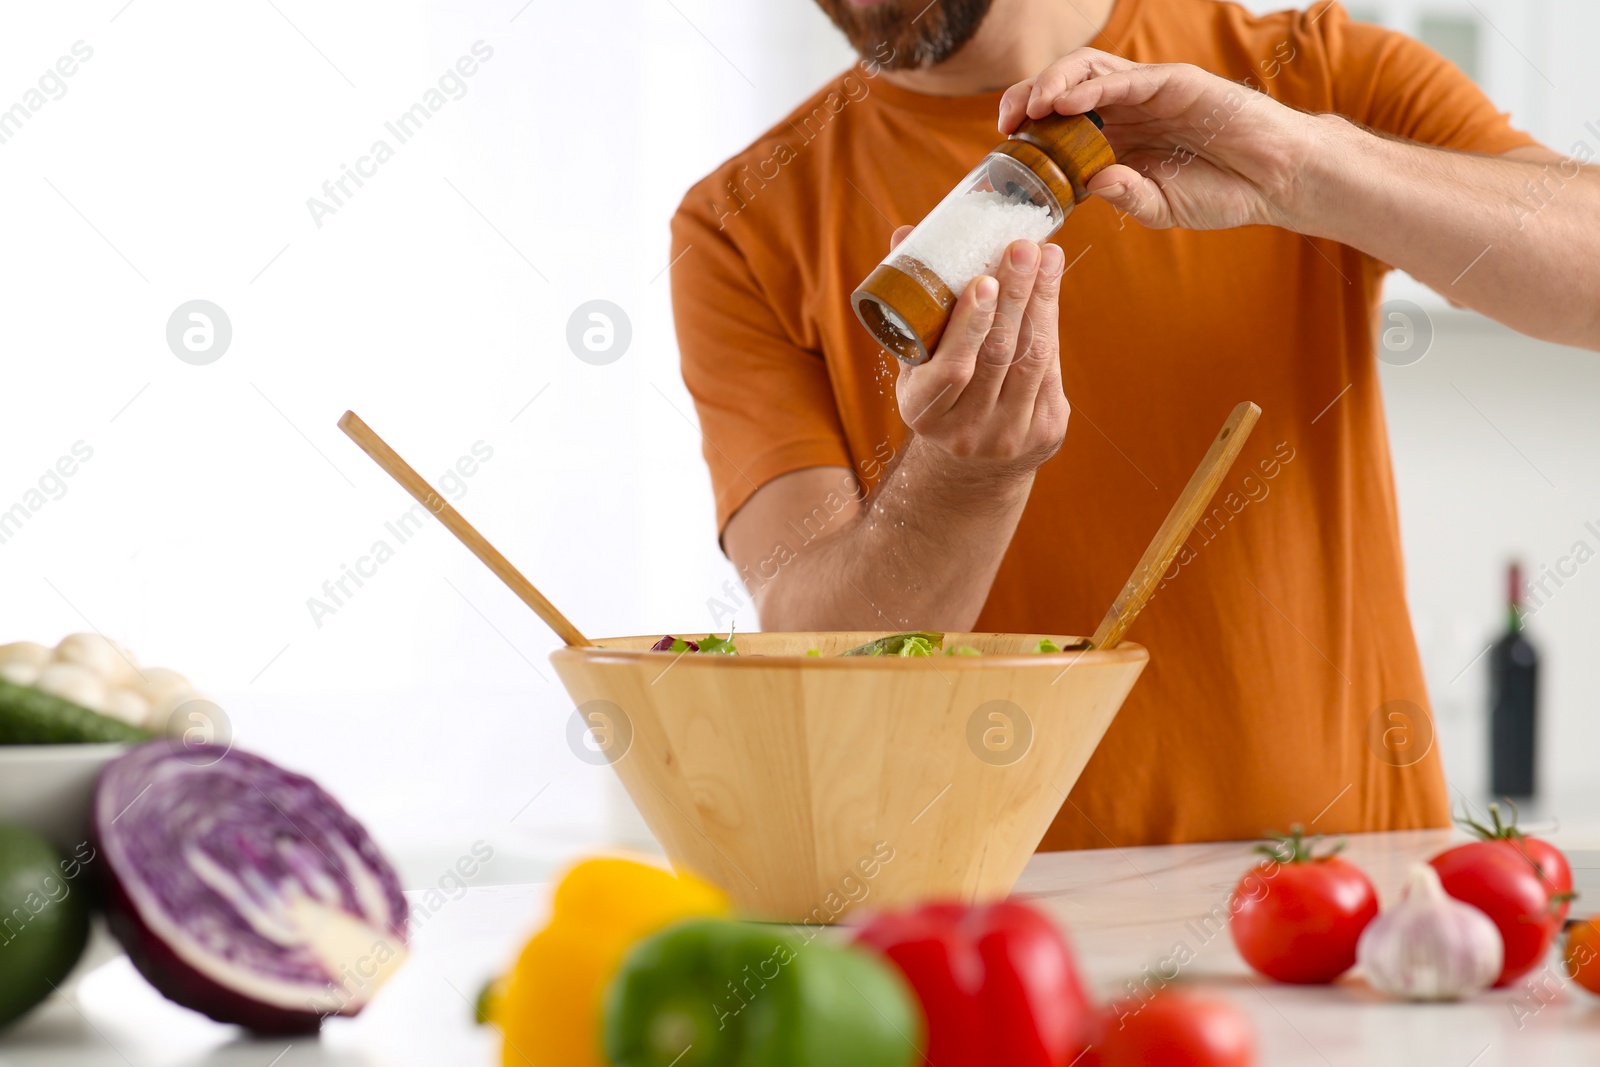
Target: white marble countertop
column 1128, row 909
column 1125, row 908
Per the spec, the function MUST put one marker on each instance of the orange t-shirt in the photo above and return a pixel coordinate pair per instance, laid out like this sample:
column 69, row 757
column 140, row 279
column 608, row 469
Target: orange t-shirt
column 1284, row 683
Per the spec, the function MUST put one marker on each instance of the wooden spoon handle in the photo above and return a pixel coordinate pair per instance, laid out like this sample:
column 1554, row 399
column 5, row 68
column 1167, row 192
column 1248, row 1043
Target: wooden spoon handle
column 1179, row 522
column 417, row 486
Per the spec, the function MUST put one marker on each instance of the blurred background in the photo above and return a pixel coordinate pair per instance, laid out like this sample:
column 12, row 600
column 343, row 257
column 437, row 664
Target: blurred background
column 435, row 298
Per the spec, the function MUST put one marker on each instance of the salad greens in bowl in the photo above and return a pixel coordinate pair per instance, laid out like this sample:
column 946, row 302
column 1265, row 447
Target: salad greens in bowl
column 910, row 644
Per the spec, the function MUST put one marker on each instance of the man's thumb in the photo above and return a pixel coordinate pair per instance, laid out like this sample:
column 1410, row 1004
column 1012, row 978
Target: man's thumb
column 1130, row 192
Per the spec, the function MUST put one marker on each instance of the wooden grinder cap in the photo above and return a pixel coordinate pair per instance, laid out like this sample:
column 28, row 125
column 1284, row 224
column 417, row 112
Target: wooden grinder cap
column 1072, row 143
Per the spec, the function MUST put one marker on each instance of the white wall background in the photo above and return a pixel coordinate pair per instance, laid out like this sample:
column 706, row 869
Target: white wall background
column 219, row 498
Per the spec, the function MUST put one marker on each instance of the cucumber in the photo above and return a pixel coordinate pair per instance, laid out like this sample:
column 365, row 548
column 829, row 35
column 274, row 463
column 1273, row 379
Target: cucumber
column 31, row 716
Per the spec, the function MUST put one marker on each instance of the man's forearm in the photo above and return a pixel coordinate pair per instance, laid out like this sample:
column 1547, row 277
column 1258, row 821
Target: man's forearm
column 1515, row 239
column 920, row 554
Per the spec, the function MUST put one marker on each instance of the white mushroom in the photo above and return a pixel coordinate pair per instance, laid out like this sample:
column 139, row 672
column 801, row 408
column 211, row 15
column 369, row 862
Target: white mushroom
column 194, row 717
column 128, row 706
column 158, row 684
column 18, row 672
column 100, row 654
column 74, row 682
column 30, row 653
column 161, row 711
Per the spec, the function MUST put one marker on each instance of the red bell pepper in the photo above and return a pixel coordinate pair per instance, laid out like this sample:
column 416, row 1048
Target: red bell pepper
column 998, row 984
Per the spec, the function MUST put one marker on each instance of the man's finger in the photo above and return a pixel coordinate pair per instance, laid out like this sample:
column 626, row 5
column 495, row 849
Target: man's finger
column 900, row 234
column 1014, row 105
column 937, row 386
column 1037, row 348
column 1051, row 402
column 1019, row 267
column 1134, row 195
column 1066, row 73
column 1126, row 88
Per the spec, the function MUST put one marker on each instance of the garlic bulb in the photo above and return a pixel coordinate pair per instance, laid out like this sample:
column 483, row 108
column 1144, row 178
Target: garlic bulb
column 1430, row 946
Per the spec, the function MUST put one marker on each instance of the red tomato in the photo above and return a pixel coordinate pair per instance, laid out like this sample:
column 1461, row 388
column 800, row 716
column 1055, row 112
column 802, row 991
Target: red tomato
column 1553, row 867
column 1298, row 919
column 1583, row 954
column 1545, row 857
column 1173, row 1029
column 1496, row 878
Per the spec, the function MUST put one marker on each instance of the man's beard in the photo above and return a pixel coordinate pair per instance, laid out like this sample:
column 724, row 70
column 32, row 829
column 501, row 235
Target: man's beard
column 920, row 33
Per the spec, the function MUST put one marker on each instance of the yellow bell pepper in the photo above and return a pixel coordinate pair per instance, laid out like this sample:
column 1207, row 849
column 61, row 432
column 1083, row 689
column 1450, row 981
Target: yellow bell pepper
column 548, row 1008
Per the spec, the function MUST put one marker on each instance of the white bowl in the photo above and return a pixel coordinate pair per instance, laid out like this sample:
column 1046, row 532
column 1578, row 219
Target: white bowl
column 47, row 788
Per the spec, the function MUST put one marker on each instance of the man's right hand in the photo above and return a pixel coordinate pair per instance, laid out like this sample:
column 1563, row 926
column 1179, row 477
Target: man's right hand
column 990, row 400
column 984, row 412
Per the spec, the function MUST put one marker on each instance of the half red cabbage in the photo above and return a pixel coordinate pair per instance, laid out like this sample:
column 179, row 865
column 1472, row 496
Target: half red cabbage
column 242, row 890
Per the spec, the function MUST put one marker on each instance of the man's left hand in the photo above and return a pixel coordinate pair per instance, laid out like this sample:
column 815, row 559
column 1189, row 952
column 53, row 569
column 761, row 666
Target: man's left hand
column 1193, row 149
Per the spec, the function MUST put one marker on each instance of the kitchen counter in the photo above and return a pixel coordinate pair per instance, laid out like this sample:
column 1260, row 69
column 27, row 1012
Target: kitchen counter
column 1138, row 908
column 1131, row 913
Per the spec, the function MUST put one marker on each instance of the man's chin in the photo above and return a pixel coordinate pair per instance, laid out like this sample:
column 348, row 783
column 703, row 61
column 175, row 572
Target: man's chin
column 913, row 33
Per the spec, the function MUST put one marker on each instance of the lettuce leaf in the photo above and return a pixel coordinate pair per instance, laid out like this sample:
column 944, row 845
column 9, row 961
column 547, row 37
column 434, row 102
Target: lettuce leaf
column 718, row 646
column 911, row 643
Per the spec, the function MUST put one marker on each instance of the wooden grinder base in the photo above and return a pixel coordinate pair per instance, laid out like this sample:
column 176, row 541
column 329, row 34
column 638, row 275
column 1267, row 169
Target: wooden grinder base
column 901, row 313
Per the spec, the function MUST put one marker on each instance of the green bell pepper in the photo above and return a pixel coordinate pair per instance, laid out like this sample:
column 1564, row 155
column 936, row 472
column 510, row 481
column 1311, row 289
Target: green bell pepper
column 715, row 993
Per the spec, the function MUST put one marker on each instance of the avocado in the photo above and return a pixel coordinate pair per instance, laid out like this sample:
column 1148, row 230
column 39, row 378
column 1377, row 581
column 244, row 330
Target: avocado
column 44, row 919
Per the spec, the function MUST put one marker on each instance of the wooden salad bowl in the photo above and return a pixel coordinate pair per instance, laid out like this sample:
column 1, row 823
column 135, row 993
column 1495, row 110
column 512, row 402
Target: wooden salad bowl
column 807, row 784
column 810, row 786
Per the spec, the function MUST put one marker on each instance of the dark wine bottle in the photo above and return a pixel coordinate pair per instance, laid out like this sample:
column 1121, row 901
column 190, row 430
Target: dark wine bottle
column 1513, row 703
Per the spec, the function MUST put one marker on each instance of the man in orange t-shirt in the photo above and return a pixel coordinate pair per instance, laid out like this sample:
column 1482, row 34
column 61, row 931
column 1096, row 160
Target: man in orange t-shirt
column 1272, row 169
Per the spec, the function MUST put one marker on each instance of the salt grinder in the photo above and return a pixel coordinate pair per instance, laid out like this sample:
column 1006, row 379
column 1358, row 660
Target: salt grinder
column 1025, row 188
